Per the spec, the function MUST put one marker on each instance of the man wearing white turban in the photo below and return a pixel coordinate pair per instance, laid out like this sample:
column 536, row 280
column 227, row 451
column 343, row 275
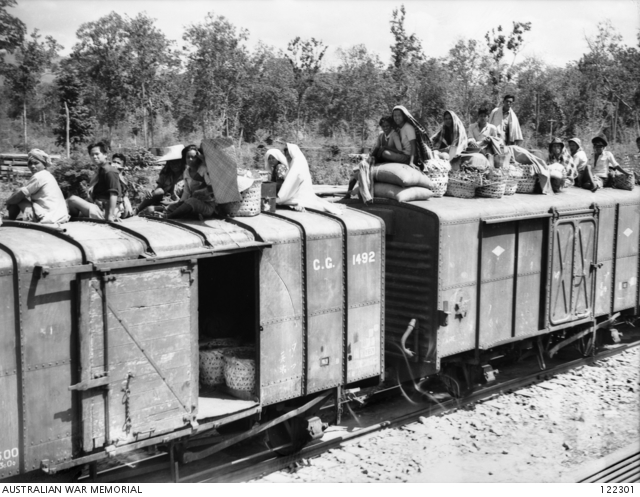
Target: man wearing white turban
column 41, row 199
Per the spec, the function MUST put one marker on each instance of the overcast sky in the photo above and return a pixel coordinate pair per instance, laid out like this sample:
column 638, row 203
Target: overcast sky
column 557, row 36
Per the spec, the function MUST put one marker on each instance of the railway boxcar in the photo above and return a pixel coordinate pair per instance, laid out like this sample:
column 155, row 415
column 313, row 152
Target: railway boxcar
column 480, row 273
column 101, row 322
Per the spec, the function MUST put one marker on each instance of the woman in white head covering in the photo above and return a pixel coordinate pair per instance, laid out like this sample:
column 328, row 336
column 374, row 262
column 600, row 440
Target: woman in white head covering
column 452, row 137
column 276, row 163
column 297, row 188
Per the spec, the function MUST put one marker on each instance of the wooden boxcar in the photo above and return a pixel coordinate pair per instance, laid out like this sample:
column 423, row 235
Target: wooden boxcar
column 100, row 326
column 480, row 273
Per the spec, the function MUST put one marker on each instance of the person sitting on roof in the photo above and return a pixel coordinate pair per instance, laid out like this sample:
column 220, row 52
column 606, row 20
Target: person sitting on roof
column 596, row 175
column 577, row 157
column 408, row 152
column 481, row 131
column 505, row 119
column 452, row 137
column 40, row 200
column 388, row 139
column 197, row 196
column 119, row 161
column 276, row 163
column 169, row 186
column 297, row 188
column 105, row 194
column 559, row 155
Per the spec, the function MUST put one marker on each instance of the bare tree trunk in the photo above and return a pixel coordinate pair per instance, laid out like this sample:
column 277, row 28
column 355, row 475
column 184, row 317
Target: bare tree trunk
column 24, row 122
column 614, row 124
column 144, row 119
column 66, row 110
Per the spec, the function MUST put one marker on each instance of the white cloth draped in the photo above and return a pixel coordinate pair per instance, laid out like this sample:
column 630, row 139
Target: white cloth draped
column 297, row 188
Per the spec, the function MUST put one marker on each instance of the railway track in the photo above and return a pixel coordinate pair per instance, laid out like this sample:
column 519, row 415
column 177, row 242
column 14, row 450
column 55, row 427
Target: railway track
column 260, row 463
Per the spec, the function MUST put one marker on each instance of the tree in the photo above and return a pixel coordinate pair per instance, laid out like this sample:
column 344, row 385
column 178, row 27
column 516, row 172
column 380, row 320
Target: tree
column 270, row 94
column 305, row 57
column 126, row 60
column 217, row 68
column 149, row 56
column 72, row 95
column 468, row 66
column 611, row 83
column 12, row 29
column 498, row 42
column 33, row 57
column 362, row 89
column 101, row 54
column 406, row 58
column 407, row 49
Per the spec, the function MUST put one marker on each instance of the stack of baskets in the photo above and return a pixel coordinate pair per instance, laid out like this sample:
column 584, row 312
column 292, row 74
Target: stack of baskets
column 232, row 367
column 250, row 204
column 212, row 361
column 437, row 170
column 526, row 183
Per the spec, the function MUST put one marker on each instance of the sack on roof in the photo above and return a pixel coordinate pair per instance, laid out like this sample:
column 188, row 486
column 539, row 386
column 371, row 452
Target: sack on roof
column 395, row 192
column 401, row 175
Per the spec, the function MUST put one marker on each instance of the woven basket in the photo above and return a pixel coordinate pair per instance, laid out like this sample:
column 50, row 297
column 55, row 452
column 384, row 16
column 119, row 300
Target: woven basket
column 527, row 183
column 439, row 180
column 212, row 361
column 240, row 369
column 212, row 367
column 623, row 182
column 495, row 189
column 461, row 188
column 250, row 204
column 511, row 186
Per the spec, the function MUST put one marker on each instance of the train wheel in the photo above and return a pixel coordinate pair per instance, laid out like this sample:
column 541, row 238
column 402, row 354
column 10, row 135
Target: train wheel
column 452, row 380
column 292, row 435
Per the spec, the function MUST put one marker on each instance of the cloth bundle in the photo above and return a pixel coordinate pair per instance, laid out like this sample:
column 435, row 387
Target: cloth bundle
column 539, row 166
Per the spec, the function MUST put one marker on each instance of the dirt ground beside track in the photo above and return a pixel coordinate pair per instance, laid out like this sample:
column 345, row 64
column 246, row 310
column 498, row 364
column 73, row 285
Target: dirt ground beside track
column 544, row 433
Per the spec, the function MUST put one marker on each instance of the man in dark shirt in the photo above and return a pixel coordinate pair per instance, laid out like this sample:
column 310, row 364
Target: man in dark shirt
column 105, row 194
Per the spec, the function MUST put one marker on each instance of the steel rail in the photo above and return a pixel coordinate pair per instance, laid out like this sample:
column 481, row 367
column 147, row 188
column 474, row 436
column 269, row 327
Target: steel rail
column 279, row 463
column 265, row 462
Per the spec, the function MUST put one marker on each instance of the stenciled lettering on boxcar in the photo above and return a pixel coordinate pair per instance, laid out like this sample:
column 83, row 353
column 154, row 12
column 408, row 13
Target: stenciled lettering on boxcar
column 9, row 458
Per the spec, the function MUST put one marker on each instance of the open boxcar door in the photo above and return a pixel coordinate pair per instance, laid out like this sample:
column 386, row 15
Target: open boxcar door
column 138, row 353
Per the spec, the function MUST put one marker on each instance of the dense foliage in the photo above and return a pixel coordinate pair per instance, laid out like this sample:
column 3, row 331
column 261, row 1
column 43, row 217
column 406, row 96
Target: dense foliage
column 124, row 81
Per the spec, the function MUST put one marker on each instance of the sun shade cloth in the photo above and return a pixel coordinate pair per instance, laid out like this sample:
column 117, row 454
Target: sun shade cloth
column 220, row 159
